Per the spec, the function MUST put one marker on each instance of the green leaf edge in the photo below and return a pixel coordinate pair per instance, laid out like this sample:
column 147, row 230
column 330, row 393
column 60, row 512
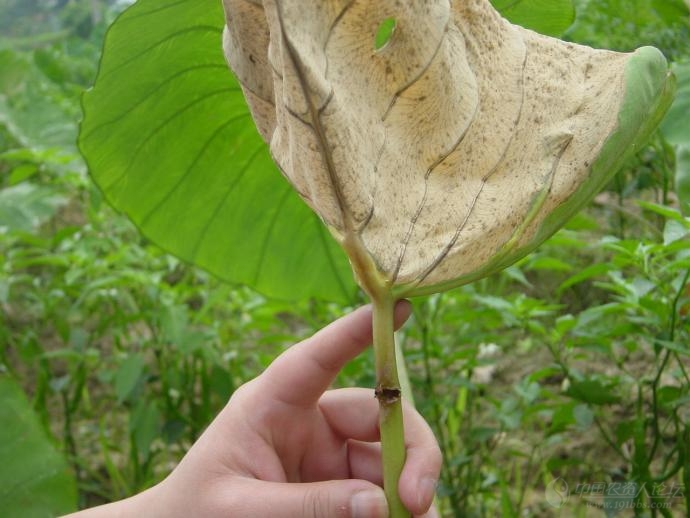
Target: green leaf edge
column 650, row 91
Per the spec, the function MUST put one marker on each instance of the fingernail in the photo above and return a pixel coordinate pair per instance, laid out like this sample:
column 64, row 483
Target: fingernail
column 427, row 490
column 369, row 503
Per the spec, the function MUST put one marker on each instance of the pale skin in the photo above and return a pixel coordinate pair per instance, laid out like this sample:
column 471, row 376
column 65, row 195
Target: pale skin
column 287, row 447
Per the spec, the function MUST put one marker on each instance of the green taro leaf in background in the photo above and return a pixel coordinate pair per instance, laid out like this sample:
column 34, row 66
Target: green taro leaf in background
column 683, row 177
column 35, row 480
column 670, row 10
column 676, row 131
column 25, row 206
column 169, row 140
column 550, row 17
column 675, row 126
column 28, row 105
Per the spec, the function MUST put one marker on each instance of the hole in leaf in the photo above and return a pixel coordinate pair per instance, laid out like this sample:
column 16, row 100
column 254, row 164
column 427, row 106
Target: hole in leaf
column 384, row 33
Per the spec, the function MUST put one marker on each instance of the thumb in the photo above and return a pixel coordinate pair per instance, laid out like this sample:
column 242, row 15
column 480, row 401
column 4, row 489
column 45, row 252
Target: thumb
column 330, row 499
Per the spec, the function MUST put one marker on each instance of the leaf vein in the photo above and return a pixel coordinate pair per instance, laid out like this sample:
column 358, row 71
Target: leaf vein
column 134, row 16
column 159, row 128
column 189, row 169
column 316, row 125
column 429, row 171
column 446, row 250
column 335, row 23
column 269, row 232
column 216, row 211
column 151, row 93
column 331, row 259
column 419, row 75
column 169, row 37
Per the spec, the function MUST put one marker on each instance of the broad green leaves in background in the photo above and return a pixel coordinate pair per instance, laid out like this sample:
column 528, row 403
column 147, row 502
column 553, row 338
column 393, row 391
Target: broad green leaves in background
column 26, row 206
column 550, row 17
column 169, row 140
column 626, row 24
column 683, row 177
column 675, row 126
column 34, row 478
column 676, row 131
column 30, row 106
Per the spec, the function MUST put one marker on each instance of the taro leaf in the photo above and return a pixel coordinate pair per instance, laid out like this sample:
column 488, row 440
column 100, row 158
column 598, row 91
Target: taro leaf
column 34, row 477
column 31, row 107
column 27, row 205
column 550, row 17
column 683, row 177
column 676, row 130
column 671, row 11
column 168, row 138
column 452, row 151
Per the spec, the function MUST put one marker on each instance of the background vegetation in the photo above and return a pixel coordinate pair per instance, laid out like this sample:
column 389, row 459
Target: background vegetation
column 571, row 367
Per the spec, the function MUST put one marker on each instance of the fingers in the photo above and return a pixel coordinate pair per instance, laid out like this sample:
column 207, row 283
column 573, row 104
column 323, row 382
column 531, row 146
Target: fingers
column 422, row 468
column 353, row 414
column 251, row 498
column 300, row 375
column 364, row 461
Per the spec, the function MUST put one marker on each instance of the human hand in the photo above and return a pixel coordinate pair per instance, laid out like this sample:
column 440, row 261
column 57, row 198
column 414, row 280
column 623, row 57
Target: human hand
column 286, row 447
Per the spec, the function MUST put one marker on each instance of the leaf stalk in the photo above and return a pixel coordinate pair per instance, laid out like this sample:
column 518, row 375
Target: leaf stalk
column 389, row 396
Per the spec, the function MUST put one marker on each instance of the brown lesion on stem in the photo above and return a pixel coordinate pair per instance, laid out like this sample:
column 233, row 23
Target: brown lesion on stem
column 387, row 395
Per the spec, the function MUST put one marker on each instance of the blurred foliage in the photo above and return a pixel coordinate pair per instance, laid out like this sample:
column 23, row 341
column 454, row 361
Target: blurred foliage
column 624, row 25
column 35, row 478
column 573, row 363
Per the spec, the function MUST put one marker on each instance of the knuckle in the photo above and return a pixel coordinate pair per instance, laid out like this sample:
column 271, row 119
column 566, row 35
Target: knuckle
column 242, row 392
column 316, row 504
column 437, row 456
